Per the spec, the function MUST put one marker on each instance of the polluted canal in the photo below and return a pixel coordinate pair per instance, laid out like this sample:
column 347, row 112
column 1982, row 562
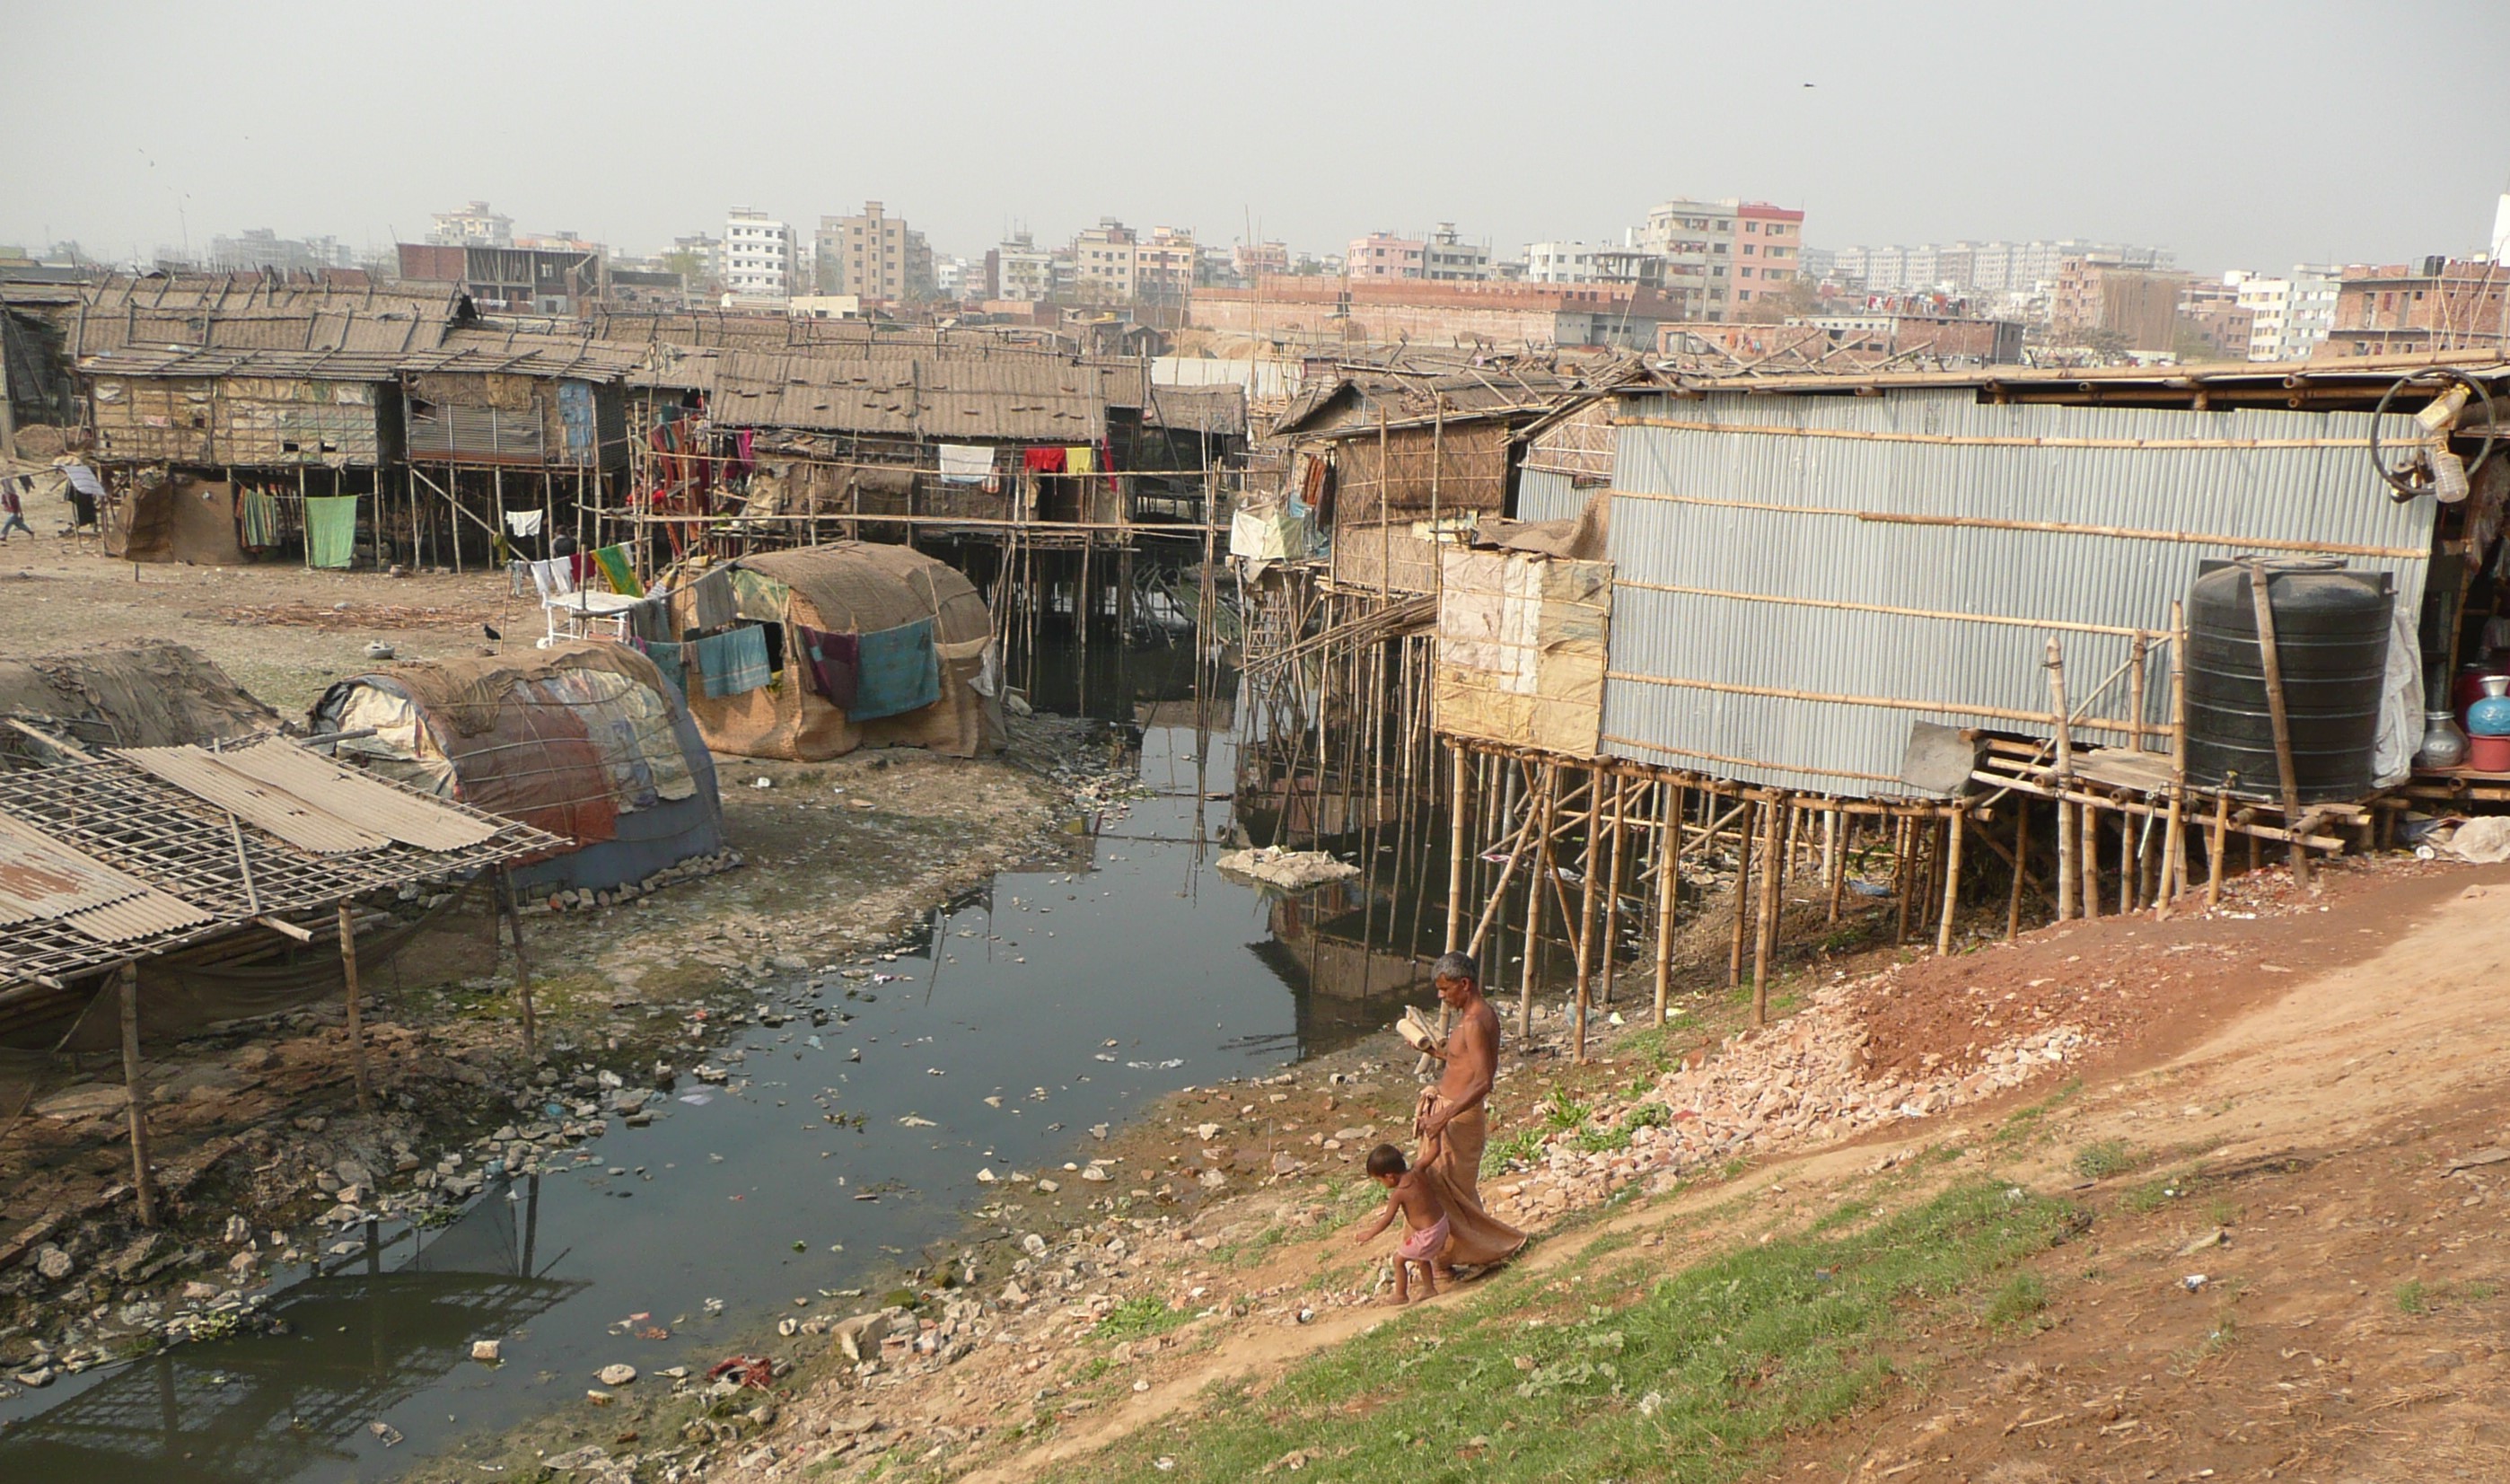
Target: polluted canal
column 836, row 1142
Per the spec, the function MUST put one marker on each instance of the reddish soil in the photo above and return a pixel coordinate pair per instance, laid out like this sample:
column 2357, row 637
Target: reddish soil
column 2144, row 989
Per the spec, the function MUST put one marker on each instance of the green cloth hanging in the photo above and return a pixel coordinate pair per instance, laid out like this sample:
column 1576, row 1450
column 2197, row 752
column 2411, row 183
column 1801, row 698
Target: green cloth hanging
column 614, row 564
column 330, row 530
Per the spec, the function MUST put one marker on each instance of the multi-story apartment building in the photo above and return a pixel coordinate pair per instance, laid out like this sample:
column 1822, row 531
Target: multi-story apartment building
column 2289, row 317
column 1560, row 262
column 474, row 226
column 1987, row 268
column 2098, row 293
column 1104, row 259
column 2439, row 304
column 756, row 259
column 1448, row 258
column 1253, row 260
column 1721, row 256
column 1164, row 266
column 874, row 256
column 262, row 248
column 1384, row 256
column 1021, row 271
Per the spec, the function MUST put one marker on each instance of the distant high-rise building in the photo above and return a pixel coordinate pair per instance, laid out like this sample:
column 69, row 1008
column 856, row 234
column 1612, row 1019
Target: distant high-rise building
column 262, row 248
column 1253, row 260
column 874, row 256
column 756, row 259
column 1560, row 262
column 1983, row 269
column 474, row 226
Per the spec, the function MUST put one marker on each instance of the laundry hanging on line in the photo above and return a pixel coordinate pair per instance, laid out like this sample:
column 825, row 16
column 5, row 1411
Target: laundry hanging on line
column 966, row 463
column 619, row 564
column 736, row 662
column 899, row 671
column 330, row 530
column 834, row 662
column 1044, row 461
column 523, row 524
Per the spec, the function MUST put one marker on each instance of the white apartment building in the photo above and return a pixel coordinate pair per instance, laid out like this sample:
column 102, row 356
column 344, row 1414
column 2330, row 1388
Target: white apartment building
column 1023, row 270
column 756, row 258
column 1982, row 268
column 2289, row 316
column 474, row 226
column 1560, row 262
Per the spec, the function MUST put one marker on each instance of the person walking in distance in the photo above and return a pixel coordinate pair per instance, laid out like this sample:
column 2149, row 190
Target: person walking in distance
column 13, row 508
column 1452, row 1120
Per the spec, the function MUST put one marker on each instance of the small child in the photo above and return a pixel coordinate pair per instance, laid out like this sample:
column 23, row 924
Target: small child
column 1424, row 1221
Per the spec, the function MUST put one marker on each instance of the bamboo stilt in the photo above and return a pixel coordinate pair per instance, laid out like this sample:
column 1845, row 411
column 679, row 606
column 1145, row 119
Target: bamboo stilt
column 1743, row 900
column 1586, row 911
column 2221, row 828
column 1956, row 826
column 1668, row 889
column 2054, row 658
column 2021, row 854
column 357, row 1023
column 135, row 1089
column 1613, row 883
column 1534, row 903
column 1773, row 851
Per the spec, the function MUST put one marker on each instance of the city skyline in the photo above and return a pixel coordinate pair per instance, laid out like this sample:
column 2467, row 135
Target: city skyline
column 2130, row 141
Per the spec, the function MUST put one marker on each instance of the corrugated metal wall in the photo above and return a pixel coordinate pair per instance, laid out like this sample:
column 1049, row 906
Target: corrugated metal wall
column 1721, row 539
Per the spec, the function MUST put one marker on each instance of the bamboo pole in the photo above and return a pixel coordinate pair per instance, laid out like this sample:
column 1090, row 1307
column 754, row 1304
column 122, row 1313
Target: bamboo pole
column 1843, row 831
column 135, row 1089
column 2222, row 823
column 1534, row 903
column 1613, row 882
column 1742, row 901
column 2087, row 834
column 2270, row 663
column 2021, row 854
column 1586, row 916
column 1765, row 945
column 1459, row 806
column 2174, row 850
column 1668, row 888
column 357, row 1022
column 2054, row 658
column 1957, row 825
column 1904, row 873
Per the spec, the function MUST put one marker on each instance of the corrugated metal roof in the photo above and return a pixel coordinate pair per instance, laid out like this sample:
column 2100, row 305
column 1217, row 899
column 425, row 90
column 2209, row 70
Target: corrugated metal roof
column 199, row 772
column 1040, row 400
column 1219, row 408
column 349, row 794
column 103, row 903
column 1788, row 602
column 463, row 352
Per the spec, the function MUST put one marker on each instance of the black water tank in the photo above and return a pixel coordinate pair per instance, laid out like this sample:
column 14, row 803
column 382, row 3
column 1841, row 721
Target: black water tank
column 2331, row 636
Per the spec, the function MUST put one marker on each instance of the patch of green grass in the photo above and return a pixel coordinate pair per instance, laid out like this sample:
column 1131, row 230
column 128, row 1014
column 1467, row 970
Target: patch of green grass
column 2474, row 1293
column 1524, row 1144
column 1248, row 1253
column 2024, row 1126
column 2154, row 1193
column 2020, row 1299
column 2412, row 1297
column 2108, row 1157
column 1691, row 1379
column 1597, row 1141
column 1561, row 1111
column 1138, row 1319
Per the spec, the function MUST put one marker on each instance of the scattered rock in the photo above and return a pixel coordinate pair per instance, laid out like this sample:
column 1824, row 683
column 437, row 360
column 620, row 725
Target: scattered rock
column 617, row 1374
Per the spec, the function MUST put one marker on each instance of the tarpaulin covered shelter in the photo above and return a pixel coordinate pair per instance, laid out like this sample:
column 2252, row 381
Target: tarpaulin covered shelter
column 867, row 597
column 146, row 694
column 584, row 740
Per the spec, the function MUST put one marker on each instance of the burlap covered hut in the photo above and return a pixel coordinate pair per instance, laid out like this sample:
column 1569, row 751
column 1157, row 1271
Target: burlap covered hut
column 858, row 591
column 584, row 740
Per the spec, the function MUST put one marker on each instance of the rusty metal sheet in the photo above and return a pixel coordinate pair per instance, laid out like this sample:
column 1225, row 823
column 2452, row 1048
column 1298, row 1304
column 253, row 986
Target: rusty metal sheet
column 346, row 794
column 106, row 906
column 199, row 772
column 42, row 878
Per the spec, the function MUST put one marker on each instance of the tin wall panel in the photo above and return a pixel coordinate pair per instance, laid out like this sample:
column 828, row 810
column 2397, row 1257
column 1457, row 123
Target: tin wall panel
column 1776, row 527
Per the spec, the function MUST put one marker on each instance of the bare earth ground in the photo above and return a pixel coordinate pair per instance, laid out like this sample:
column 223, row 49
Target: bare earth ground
column 2282, row 1275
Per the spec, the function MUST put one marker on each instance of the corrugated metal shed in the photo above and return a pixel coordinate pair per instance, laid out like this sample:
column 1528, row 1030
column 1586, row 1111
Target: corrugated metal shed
column 1800, row 578
column 43, row 880
column 199, row 772
column 1035, row 400
column 348, row 794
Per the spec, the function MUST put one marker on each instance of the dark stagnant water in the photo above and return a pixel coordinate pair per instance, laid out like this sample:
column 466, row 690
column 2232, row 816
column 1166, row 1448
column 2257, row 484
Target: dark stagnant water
column 1015, row 995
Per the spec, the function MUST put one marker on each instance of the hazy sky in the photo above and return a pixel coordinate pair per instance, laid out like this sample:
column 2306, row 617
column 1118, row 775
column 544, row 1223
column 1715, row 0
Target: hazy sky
column 2241, row 135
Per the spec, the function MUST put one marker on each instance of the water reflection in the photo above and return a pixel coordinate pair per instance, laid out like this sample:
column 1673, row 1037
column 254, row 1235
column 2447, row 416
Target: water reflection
column 360, row 1343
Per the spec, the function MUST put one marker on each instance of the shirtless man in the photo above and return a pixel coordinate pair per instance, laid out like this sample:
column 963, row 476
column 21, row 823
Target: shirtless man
column 1452, row 1124
column 1424, row 1221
